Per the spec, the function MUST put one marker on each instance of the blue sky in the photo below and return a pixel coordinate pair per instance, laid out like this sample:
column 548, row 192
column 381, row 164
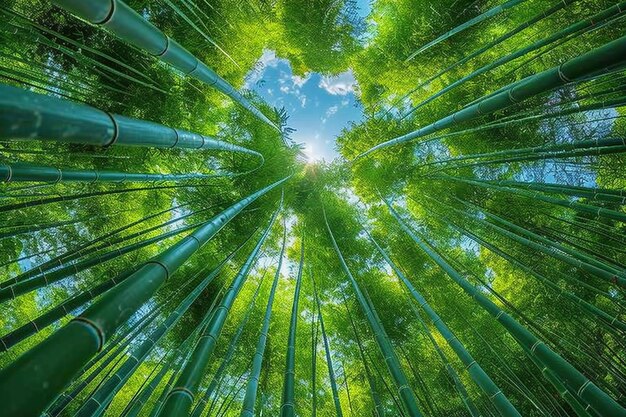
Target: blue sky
column 318, row 106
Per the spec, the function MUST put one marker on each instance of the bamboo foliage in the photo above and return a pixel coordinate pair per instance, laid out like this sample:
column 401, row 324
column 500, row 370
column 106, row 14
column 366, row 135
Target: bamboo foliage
column 478, row 19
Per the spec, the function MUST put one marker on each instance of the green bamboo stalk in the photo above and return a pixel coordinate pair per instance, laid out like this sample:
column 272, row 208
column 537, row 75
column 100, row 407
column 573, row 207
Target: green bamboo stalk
column 84, row 248
column 379, row 409
column 391, row 360
column 577, row 384
column 37, row 173
column 59, row 267
column 74, row 197
column 329, row 360
column 49, row 361
column 181, row 397
column 249, row 401
column 179, row 357
column 51, row 316
column 528, row 238
column 16, row 289
column 170, row 383
column 477, row 373
column 314, row 339
column 454, row 376
column 570, row 71
column 32, row 116
column 230, row 352
column 62, row 401
column 576, row 29
column 287, row 408
column 579, row 148
column 100, row 399
column 591, row 193
column 476, row 20
column 131, row 27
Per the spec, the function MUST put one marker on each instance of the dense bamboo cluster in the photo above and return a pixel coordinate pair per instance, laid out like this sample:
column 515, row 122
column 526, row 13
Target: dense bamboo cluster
column 167, row 252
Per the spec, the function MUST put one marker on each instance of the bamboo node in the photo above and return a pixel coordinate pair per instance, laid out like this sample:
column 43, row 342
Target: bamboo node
column 535, row 345
column 562, row 75
column 583, row 387
column 10, row 174
column 108, row 16
column 98, row 329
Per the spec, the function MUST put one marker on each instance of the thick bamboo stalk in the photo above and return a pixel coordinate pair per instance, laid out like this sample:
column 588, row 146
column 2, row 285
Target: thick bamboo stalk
column 32, row 116
column 287, row 408
column 124, row 22
column 582, row 388
column 62, row 401
column 54, row 366
column 249, row 400
column 599, row 59
column 100, row 399
column 391, row 360
column 37, row 173
column 181, row 397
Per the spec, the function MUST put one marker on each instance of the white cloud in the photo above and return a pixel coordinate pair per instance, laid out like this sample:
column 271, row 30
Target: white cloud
column 331, row 111
column 340, row 85
column 300, row 81
column 303, row 100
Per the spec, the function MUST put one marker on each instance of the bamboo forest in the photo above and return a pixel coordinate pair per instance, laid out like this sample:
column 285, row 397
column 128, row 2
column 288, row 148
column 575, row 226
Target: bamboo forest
column 312, row 208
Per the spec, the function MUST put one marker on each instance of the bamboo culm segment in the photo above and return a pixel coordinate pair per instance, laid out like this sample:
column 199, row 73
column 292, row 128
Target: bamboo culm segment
column 287, row 408
column 53, row 365
column 37, row 173
column 181, row 397
column 576, row 383
column 391, row 360
column 101, row 398
column 227, row 359
column 32, row 116
column 594, row 61
column 249, row 401
column 124, row 22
